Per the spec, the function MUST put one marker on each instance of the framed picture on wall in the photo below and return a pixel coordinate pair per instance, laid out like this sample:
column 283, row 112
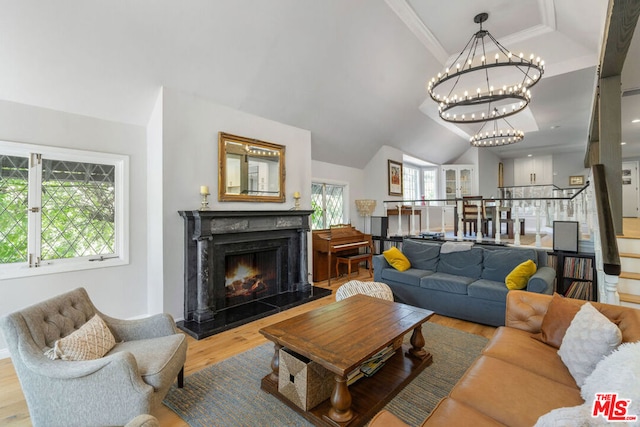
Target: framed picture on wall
column 576, row 180
column 395, row 178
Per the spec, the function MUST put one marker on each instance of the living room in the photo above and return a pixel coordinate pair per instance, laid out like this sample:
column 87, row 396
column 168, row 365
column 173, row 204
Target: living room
column 168, row 130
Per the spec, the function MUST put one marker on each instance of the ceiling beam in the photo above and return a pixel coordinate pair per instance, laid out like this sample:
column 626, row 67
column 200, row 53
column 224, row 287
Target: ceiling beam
column 617, row 37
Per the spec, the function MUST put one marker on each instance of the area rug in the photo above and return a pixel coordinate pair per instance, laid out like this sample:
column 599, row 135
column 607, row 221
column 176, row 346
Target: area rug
column 228, row 393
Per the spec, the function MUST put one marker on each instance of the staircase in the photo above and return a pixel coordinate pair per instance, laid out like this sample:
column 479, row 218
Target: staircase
column 629, row 281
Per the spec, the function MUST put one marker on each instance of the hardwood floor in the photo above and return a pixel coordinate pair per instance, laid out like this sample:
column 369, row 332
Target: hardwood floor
column 631, row 227
column 13, row 408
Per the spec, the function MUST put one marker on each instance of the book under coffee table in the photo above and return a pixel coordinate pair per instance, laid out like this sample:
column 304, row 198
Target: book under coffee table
column 340, row 337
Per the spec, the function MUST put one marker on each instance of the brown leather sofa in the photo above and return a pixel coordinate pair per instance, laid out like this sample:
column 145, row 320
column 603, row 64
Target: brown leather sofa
column 517, row 378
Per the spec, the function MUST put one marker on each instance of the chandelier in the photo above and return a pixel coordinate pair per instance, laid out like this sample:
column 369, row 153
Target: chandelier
column 475, row 88
column 496, row 136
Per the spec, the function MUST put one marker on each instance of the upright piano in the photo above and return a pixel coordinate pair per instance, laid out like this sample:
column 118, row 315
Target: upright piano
column 337, row 241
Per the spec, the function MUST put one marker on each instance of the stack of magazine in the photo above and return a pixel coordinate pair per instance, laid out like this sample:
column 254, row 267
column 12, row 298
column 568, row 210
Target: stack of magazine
column 371, row 365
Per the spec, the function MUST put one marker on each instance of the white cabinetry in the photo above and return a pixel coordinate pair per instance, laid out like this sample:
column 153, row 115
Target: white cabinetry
column 458, row 181
column 533, row 171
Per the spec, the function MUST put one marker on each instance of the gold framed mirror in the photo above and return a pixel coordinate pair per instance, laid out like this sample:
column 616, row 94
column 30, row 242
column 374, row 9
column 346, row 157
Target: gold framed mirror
column 250, row 170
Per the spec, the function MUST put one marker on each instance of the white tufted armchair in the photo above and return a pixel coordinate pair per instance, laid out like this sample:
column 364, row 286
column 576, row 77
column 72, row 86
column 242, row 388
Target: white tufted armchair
column 130, row 380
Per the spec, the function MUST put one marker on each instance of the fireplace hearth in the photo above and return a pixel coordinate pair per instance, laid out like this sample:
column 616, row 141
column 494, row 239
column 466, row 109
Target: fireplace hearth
column 243, row 265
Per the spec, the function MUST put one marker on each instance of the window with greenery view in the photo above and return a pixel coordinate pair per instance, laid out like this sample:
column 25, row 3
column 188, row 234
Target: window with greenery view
column 327, row 202
column 59, row 205
column 14, row 196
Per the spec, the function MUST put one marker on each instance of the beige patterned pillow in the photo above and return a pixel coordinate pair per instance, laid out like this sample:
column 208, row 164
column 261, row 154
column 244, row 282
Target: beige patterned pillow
column 92, row 341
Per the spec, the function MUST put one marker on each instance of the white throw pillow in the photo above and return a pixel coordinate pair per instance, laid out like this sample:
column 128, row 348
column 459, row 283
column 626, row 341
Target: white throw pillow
column 92, row 341
column 618, row 373
column 589, row 338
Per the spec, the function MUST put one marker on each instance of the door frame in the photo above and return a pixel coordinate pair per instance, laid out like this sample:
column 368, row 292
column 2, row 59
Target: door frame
column 635, row 177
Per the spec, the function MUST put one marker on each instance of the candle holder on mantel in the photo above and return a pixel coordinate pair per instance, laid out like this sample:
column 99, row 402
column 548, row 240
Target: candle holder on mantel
column 296, row 199
column 204, row 203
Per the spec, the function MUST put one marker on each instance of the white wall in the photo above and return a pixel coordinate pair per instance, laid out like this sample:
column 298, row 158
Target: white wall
column 488, row 173
column 190, row 127
column 567, row 164
column 469, row 157
column 376, row 178
column 508, row 172
column 155, row 238
column 118, row 291
column 336, row 174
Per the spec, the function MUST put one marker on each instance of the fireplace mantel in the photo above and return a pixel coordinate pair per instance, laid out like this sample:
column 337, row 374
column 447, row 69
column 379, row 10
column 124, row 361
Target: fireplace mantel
column 209, row 223
column 211, row 236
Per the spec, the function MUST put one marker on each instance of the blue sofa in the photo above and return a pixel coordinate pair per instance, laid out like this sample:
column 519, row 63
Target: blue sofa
column 465, row 284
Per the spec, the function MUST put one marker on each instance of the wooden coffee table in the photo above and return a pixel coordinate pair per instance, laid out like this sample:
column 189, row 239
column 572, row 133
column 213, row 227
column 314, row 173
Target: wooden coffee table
column 340, row 337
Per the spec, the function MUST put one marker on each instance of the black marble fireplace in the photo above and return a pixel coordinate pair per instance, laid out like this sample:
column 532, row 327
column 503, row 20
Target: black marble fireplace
column 240, row 266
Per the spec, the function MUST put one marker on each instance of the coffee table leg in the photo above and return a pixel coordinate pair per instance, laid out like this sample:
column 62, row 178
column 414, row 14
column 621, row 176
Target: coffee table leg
column 340, row 401
column 417, row 343
column 275, row 363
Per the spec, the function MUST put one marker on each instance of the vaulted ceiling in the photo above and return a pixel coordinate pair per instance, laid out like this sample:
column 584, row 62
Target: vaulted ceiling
column 353, row 72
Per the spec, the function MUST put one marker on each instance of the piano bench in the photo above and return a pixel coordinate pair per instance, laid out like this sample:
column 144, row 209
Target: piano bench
column 353, row 259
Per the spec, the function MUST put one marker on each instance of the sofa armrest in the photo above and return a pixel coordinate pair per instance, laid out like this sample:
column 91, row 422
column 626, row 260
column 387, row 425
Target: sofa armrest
column 542, row 281
column 525, row 310
column 379, row 264
column 121, row 368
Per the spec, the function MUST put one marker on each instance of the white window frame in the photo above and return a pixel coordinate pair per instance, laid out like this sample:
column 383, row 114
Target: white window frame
column 345, row 194
column 419, row 184
column 121, row 187
column 437, row 191
column 417, row 187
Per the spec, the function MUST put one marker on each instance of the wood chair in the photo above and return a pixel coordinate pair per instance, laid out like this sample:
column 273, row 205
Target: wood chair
column 472, row 206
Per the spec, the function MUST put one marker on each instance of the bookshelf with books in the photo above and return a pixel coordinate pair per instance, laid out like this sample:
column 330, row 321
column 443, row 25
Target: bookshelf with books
column 575, row 274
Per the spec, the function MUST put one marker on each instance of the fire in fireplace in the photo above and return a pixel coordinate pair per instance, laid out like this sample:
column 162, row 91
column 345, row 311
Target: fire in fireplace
column 250, row 276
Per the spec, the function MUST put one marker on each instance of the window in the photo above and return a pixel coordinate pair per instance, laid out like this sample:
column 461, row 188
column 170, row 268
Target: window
column 417, row 189
column 411, row 183
column 60, row 209
column 430, row 183
column 327, row 202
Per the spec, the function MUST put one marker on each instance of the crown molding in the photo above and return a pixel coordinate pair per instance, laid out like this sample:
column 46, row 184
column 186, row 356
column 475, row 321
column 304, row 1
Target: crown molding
column 406, row 13
column 417, row 27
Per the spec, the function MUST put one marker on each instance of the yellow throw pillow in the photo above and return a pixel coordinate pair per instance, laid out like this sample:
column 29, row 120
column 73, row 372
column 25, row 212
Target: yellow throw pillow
column 396, row 259
column 519, row 276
